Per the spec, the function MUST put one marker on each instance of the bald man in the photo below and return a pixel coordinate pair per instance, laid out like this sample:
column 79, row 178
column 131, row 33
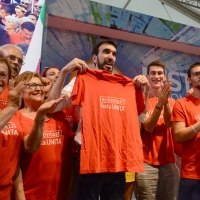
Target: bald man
column 27, row 4
column 15, row 56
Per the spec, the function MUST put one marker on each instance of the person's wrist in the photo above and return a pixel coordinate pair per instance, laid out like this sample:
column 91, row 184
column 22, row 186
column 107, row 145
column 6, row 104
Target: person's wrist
column 160, row 103
column 12, row 106
column 64, row 71
column 39, row 120
column 146, row 88
column 147, row 93
column 167, row 103
column 41, row 113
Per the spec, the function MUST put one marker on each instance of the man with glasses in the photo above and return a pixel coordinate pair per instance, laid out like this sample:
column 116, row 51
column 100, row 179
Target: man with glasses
column 37, row 8
column 15, row 56
column 186, row 127
column 26, row 4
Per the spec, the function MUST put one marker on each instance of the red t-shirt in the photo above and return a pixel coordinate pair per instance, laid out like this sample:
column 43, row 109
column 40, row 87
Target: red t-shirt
column 158, row 146
column 45, row 173
column 71, row 116
column 110, row 129
column 11, row 140
column 187, row 110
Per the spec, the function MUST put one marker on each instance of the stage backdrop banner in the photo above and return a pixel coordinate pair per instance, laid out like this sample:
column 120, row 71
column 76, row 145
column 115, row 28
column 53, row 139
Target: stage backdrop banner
column 132, row 58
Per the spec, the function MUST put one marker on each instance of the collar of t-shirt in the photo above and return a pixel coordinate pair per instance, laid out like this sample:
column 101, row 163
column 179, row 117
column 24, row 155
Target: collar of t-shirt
column 108, row 76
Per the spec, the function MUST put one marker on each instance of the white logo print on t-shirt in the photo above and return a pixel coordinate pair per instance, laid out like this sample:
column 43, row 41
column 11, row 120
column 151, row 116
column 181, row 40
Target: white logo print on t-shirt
column 112, row 103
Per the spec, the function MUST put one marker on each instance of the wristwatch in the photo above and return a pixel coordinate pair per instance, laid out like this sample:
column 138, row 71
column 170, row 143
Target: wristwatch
column 158, row 107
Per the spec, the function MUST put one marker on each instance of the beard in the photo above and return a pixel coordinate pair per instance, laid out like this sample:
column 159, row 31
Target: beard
column 102, row 65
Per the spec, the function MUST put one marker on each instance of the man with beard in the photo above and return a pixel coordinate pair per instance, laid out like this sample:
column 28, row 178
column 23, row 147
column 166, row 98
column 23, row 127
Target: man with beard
column 186, row 127
column 104, row 178
column 15, row 56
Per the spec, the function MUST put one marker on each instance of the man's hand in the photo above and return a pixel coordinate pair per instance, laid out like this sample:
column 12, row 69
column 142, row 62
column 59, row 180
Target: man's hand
column 164, row 93
column 141, row 80
column 75, row 65
column 15, row 94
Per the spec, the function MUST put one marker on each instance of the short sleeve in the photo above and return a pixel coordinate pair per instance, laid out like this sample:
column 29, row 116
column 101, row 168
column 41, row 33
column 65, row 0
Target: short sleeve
column 171, row 102
column 67, row 90
column 20, row 127
column 178, row 114
column 77, row 96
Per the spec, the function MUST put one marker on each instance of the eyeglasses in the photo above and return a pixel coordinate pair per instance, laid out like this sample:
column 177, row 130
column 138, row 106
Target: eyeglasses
column 33, row 86
column 37, row 6
column 13, row 58
column 196, row 74
column 3, row 76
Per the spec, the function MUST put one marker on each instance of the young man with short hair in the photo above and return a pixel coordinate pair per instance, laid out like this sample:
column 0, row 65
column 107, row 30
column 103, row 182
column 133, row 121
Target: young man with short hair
column 160, row 179
column 186, row 127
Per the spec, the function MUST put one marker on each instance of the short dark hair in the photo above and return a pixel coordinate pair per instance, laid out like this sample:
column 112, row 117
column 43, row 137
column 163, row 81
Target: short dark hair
column 29, row 26
column 95, row 49
column 191, row 67
column 157, row 63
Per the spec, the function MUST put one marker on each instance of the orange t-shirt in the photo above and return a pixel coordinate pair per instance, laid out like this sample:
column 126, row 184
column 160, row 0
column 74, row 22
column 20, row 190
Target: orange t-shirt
column 187, row 110
column 4, row 94
column 11, row 140
column 110, row 129
column 158, row 146
column 16, row 38
column 45, row 173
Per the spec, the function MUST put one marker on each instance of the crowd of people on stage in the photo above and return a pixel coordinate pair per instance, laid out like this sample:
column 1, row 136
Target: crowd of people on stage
column 18, row 20
column 102, row 136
